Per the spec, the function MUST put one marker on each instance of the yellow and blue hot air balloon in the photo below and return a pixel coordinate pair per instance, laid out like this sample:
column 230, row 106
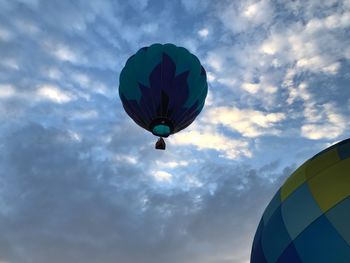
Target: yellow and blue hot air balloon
column 308, row 220
column 163, row 89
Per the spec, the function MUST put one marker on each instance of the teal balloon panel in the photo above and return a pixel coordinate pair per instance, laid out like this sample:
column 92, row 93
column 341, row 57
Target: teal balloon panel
column 308, row 219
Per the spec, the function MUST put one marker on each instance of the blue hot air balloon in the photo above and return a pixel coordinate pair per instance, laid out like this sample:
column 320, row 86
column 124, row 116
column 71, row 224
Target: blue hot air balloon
column 163, row 89
column 308, row 219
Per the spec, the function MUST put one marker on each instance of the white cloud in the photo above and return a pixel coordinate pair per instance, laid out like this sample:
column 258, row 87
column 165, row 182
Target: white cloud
column 53, row 73
column 227, row 81
column 215, row 60
column 172, row 164
column 209, row 100
column 125, row 158
column 294, row 92
column 251, row 87
column 270, row 89
column 258, row 11
column 150, row 28
column 75, row 136
column 91, row 85
column 240, row 17
column 204, row 32
column 245, row 67
column 65, row 53
column 211, row 76
column 230, row 148
column 316, row 46
column 162, row 176
column 82, row 79
column 54, row 94
column 7, row 91
column 84, row 115
column 248, row 122
column 323, row 122
column 191, row 44
column 275, row 43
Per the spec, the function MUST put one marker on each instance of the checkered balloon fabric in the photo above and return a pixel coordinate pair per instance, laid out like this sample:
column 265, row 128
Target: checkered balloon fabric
column 308, row 219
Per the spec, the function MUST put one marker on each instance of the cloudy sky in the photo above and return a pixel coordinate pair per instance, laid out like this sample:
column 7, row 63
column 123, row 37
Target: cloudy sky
column 80, row 182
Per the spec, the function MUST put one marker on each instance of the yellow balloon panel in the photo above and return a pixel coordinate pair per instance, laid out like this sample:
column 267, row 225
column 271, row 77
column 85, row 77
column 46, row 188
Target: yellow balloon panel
column 332, row 185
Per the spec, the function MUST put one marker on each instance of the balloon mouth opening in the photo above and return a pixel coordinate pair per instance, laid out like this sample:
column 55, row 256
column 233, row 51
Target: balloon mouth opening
column 161, row 130
column 161, row 127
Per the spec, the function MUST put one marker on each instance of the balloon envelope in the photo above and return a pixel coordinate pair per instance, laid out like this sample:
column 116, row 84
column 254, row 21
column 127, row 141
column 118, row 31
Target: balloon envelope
column 163, row 88
column 308, row 220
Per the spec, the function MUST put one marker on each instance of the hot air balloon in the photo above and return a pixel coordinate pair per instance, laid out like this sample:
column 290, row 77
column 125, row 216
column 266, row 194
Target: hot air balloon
column 308, row 220
column 163, row 89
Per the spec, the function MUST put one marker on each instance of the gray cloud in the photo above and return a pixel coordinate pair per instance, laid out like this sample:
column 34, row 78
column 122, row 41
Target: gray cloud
column 59, row 203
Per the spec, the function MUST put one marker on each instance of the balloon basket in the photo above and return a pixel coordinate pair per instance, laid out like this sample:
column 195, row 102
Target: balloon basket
column 160, row 144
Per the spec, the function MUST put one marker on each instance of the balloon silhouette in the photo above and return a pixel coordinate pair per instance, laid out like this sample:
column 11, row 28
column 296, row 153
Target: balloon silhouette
column 163, row 89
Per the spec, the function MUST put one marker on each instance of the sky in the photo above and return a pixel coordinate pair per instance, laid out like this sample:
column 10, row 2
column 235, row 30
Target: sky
column 81, row 182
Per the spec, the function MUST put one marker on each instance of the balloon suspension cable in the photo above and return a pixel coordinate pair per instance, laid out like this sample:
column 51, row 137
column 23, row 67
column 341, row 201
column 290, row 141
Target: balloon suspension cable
column 160, row 144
